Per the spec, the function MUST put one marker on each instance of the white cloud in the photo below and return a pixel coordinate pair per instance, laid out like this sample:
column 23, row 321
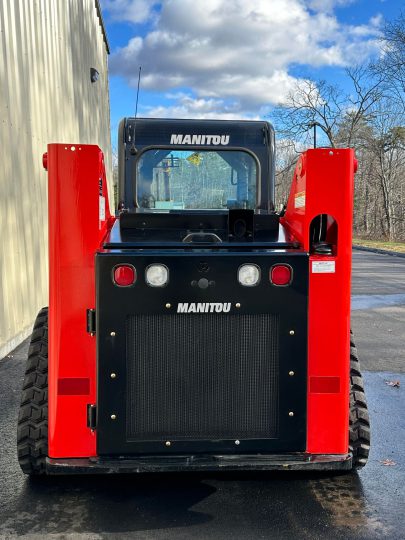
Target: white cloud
column 187, row 106
column 377, row 20
column 234, row 57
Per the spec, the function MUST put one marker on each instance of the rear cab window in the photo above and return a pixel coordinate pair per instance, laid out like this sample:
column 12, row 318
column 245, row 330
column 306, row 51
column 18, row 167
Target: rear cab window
column 175, row 179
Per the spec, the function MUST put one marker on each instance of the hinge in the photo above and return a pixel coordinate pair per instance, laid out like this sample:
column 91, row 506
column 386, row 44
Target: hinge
column 91, row 416
column 91, row 321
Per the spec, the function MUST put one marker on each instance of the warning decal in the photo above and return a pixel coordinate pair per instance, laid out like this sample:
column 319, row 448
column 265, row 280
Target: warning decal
column 299, row 201
column 195, row 159
column 323, row 267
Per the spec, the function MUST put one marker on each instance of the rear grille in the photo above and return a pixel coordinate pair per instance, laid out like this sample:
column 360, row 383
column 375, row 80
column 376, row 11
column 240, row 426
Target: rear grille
column 202, row 377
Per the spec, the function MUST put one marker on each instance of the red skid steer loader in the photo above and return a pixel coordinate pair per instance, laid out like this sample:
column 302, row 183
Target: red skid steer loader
column 196, row 329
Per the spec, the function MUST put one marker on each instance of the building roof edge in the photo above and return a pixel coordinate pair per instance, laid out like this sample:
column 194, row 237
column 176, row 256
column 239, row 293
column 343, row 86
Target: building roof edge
column 103, row 30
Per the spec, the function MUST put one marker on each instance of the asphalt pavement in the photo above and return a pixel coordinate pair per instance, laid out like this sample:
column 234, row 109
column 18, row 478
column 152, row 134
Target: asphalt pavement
column 365, row 505
column 378, row 311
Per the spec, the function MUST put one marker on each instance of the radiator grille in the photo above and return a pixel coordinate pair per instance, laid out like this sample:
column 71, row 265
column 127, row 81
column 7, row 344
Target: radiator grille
column 202, row 377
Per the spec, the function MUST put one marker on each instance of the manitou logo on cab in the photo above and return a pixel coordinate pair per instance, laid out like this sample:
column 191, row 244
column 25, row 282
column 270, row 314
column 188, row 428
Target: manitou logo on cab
column 204, row 307
column 201, row 140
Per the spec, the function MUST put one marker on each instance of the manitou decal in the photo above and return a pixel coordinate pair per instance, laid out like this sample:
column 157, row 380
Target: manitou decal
column 204, row 307
column 201, row 140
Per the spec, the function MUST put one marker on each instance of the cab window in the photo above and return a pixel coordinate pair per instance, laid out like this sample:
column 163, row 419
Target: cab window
column 203, row 179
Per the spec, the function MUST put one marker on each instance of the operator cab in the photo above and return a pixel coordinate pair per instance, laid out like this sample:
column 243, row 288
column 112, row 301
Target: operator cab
column 196, row 180
column 195, row 164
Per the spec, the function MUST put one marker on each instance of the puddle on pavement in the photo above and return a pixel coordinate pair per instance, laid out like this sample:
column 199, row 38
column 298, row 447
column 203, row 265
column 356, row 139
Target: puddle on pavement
column 342, row 498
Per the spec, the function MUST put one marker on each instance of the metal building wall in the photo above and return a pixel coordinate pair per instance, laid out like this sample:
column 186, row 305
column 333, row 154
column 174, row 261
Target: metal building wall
column 47, row 48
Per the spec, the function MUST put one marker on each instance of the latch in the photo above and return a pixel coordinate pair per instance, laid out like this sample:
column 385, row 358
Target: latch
column 91, row 321
column 91, row 416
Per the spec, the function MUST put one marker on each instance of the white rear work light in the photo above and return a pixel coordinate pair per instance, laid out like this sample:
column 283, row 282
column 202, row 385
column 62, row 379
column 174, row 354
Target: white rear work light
column 157, row 275
column 249, row 275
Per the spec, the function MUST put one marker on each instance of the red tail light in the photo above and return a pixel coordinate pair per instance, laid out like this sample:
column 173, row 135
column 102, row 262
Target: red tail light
column 281, row 274
column 124, row 275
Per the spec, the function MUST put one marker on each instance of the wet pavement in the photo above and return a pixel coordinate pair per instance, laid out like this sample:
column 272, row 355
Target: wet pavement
column 378, row 316
column 365, row 505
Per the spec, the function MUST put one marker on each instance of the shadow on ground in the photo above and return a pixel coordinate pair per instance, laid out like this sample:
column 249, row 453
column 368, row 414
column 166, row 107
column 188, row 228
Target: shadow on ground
column 186, row 506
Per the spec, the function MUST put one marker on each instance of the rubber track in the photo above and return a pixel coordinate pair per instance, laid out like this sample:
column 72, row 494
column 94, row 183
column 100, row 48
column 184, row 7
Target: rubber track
column 32, row 432
column 359, row 422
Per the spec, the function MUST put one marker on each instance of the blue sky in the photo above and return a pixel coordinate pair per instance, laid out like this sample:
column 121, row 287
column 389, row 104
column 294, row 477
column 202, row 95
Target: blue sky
column 232, row 58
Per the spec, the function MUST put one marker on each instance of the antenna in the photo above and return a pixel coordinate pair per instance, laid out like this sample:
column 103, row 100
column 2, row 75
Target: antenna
column 133, row 149
column 313, row 125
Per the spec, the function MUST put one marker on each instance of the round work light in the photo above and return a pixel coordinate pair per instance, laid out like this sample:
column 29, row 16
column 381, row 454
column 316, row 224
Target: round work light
column 157, row 275
column 249, row 275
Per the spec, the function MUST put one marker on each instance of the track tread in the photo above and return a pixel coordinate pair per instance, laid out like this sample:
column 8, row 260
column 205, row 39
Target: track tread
column 32, row 432
column 359, row 421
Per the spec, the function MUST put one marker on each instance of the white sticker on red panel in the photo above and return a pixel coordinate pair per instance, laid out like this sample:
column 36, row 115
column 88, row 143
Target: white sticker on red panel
column 101, row 211
column 323, row 267
column 299, row 200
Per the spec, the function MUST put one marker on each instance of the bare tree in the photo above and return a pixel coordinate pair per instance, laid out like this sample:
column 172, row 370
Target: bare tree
column 379, row 187
column 368, row 119
column 310, row 103
column 286, row 160
column 391, row 64
column 388, row 147
column 328, row 107
column 368, row 91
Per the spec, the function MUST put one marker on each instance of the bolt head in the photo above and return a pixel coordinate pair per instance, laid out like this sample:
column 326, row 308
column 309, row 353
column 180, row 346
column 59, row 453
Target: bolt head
column 168, row 443
column 237, row 442
column 168, row 306
column 113, row 375
column 113, row 417
column 292, row 332
column 291, row 373
column 112, row 334
column 237, row 305
column 291, row 413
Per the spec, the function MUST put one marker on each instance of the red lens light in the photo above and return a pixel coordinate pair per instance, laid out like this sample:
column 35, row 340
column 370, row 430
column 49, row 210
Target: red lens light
column 124, row 275
column 280, row 275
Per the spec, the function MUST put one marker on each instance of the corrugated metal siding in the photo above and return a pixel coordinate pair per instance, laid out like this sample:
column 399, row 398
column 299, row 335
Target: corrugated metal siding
column 46, row 51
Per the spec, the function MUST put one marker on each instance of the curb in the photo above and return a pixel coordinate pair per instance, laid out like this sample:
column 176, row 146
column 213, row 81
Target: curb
column 381, row 251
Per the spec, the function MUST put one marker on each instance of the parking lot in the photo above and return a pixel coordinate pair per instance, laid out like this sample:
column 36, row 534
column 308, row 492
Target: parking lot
column 287, row 505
